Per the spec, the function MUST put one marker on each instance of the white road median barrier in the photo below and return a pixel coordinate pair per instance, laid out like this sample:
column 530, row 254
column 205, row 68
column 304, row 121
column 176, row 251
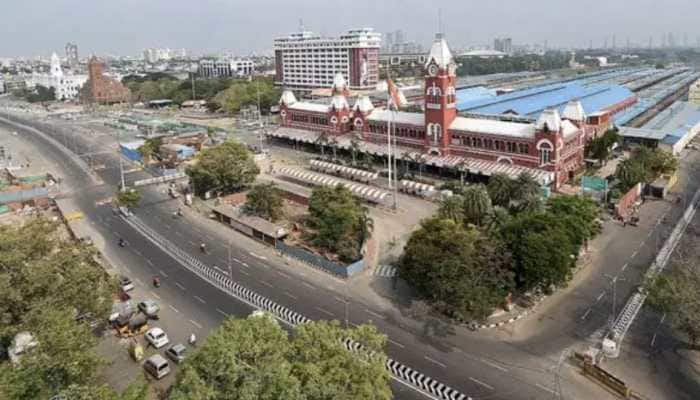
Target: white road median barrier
column 400, row 372
column 634, row 304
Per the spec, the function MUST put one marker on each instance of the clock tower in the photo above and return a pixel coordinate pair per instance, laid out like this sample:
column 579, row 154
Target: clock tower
column 440, row 96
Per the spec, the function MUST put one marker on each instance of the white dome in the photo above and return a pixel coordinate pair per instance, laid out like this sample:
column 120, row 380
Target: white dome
column 364, row 104
column 339, row 102
column 288, row 98
column 440, row 52
column 574, row 111
column 551, row 118
column 339, row 82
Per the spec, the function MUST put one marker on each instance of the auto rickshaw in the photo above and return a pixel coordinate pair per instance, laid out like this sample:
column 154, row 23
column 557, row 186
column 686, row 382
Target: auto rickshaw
column 136, row 350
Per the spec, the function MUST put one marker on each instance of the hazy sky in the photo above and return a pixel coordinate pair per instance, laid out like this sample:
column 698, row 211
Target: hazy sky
column 36, row 27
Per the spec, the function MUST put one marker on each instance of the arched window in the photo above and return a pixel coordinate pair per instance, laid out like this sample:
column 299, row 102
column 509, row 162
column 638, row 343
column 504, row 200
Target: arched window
column 433, row 92
column 435, row 132
column 545, row 152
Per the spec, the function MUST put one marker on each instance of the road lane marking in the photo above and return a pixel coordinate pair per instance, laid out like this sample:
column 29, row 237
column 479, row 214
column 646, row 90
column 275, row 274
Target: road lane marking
column 257, row 256
column 199, row 299
column 650, row 233
column 178, row 233
column 624, row 267
column 634, row 254
column 180, row 286
column 435, row 362
column 196, row 324
column 267, row 283
column 149, row 262
column 163, row 273
column 155, row 295
column 545, row 388
column 243, row 272
column 341, row 300
column 325, row 311
column 139, row 281
column 368, row 311
column 245, row 265
column 640, row 246
column 138, row 252
column 236, row 260
column 586, row 314
column 600, row 296
column 283, row 274
column 308, row 285
column 221, row 270
column 224, row 313
column 291, row 295
column 173, row 308
column 490, row 364
column 478, row 382
column 396, row 343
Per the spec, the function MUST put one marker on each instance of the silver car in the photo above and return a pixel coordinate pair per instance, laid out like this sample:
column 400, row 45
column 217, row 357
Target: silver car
column 176, row 353
column 149, row 307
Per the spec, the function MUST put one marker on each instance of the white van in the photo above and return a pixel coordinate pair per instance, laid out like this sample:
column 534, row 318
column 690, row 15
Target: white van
column 157, row 366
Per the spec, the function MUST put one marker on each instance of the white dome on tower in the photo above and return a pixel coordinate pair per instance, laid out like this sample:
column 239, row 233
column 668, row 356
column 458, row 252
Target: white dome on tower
column 56, row 70
column 364, row 104
column 288, row 98
column 339, row 102
column 549, row 117
column 574, row 111
column 440, row 52
column 339, row 83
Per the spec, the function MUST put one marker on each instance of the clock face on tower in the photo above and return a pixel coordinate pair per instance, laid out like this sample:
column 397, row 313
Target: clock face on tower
column 432, row 70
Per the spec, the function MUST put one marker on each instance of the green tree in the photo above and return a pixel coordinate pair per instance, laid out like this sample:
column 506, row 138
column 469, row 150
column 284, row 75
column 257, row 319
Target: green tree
column 150, row 149
column 500, row 187
column 452, row 207
column 41, row 94
column 129, row 198
column 265, row 201
column 340, row 222
column 477, row 204
column 327, row 370
column 254, row 358
column 630, row 172
column 677, row 293
column 241, row 359
column 39, row 270
column 578, row 214
column 542, row 250
column 227, row 167
column 457, row 268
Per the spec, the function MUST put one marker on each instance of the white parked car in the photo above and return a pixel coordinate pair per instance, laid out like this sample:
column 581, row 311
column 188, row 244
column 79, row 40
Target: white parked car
column 157, row 337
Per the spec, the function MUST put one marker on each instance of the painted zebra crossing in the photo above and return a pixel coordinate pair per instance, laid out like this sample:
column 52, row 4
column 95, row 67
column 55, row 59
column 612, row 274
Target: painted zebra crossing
column 387, row 271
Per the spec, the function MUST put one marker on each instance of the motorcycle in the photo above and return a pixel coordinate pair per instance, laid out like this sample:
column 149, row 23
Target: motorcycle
column 122, row 243
column 156, row 281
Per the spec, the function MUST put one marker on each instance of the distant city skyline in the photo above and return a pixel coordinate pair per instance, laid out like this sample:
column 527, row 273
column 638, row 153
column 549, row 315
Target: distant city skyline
column 211, row 26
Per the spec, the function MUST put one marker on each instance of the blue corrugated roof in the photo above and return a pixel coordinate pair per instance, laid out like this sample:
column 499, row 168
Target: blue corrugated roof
column 532, row 102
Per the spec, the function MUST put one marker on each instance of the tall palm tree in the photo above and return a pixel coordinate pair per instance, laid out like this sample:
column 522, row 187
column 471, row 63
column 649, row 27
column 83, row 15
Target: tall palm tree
column 452, row 207
column 525, row 187
column 477, row 204
column 365, row 225
column 322, row 140
column 499, row 188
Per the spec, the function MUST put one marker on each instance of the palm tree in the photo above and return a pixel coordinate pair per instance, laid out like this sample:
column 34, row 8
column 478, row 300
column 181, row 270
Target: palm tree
column 322, row 140
column 462, row 167
column 452, row 207
column 365, row 226
column 477, row 204
column 499, row 188
column 525, row 187
column 334, row 145
column 354, row 148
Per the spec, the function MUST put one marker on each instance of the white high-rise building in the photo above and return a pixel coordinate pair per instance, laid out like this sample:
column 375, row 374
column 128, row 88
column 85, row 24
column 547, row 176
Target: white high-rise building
column 305, row 61
column 66, row 86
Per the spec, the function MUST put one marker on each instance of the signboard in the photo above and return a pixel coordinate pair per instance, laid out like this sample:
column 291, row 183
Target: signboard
column 594, row 183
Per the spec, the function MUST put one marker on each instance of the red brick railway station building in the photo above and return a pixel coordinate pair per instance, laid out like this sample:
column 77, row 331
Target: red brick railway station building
column 550, row 149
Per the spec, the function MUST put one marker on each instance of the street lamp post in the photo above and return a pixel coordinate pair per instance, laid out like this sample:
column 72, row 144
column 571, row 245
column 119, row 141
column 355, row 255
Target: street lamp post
column 613, row 282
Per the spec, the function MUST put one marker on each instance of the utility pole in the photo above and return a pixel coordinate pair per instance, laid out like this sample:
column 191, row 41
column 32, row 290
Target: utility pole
column 121, row 163
column 613, row 282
